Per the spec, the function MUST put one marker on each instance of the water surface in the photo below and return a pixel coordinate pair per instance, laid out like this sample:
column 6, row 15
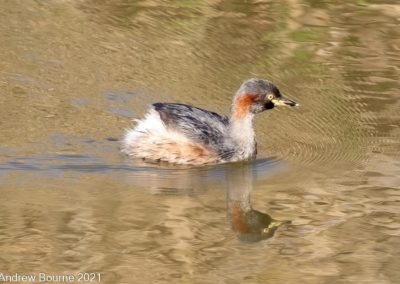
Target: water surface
column 73, row 74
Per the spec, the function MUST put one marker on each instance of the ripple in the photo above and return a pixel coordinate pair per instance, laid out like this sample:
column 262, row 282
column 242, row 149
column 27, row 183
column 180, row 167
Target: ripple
column 178, row 177
column 138, row 173
column 327, row 130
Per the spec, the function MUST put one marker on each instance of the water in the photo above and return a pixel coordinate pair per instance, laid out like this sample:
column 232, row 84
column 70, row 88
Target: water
column 322, row 201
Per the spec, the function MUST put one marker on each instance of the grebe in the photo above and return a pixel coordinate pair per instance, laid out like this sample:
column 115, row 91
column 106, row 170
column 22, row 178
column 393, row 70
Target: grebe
column 183, row 134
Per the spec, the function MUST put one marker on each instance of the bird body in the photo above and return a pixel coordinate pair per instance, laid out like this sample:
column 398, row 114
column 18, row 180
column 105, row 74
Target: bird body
column 183, row 134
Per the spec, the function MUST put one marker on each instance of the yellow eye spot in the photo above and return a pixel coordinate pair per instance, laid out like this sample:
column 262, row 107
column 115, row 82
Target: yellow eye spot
column 270, row 97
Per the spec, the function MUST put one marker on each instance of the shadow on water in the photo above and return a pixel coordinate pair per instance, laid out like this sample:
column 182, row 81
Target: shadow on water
column 250, row 225
column 177, row 178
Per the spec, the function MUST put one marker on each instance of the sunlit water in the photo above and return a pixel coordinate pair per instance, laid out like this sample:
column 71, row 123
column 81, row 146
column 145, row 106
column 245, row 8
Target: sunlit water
column 321, row 203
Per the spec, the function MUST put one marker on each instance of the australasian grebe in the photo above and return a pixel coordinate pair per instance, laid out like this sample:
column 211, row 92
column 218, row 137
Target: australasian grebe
column 183, row 134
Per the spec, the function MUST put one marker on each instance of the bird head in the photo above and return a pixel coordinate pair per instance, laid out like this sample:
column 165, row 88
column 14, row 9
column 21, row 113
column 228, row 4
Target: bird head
column 257, row 95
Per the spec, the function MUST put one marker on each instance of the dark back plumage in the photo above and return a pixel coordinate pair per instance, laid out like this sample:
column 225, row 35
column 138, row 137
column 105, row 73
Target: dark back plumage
column 202, row 126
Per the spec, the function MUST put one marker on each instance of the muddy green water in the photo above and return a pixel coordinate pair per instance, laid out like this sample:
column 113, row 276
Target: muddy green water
column 73, row 74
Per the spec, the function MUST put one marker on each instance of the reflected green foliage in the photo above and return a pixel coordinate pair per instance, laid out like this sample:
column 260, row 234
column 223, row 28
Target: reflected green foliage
column 361, row 2
column 310, row 35
column 73, row 75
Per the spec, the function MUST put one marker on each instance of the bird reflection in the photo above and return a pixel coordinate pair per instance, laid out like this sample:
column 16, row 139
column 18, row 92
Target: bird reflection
column 249, row 225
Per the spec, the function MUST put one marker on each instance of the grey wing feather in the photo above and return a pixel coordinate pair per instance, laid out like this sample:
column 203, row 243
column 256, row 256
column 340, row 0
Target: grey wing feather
column 206, row 127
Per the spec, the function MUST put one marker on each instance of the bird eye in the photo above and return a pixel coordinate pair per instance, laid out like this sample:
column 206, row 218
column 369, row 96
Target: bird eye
column 270, row 97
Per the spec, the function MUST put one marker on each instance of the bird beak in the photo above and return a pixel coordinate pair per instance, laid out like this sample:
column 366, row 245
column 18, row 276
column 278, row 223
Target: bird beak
column 282, row 101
